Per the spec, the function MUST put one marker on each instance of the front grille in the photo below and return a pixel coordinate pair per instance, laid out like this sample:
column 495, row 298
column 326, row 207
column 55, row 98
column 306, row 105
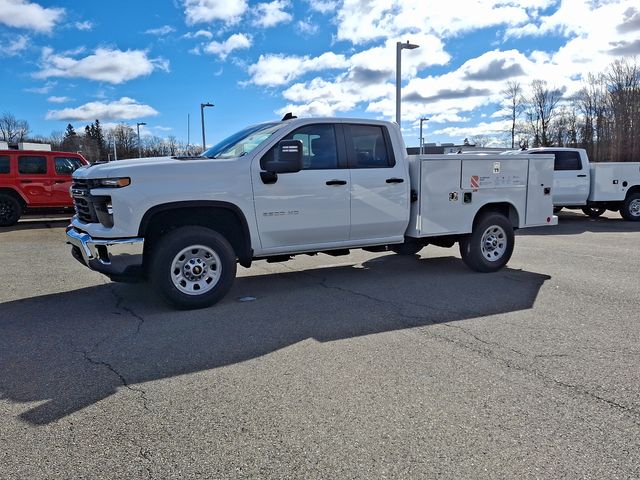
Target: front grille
column 90, row 208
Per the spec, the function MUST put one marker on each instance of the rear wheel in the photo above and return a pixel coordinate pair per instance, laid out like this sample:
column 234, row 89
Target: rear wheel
column 489, row 247
column 593, row 212
column 193, row 267
column 10, row 210
column 631, row 207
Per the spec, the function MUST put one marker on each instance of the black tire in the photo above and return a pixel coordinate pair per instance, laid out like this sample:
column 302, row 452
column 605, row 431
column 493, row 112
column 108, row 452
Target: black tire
column 630, row 209
column 407, row 248
column 10, row 210
column 557, row 209
column 176, row 257
column 593, row 212
column 496, row 233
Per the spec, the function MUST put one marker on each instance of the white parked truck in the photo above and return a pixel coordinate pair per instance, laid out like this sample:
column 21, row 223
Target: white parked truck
column 298, row 186
column 593, row 187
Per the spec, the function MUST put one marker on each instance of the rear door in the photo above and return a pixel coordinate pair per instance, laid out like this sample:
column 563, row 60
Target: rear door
column 63, row 166
column 34, row 180
column 379, row 184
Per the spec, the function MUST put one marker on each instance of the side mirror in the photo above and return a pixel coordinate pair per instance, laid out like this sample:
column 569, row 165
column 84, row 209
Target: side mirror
column 287, row 158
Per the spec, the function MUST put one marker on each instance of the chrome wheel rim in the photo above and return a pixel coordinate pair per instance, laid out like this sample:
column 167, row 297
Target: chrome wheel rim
column 634, row 207
column 494, row 243
column 195, row 270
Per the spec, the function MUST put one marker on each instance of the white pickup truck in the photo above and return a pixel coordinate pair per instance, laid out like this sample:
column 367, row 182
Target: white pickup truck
column 298, row 186
column 593, row 187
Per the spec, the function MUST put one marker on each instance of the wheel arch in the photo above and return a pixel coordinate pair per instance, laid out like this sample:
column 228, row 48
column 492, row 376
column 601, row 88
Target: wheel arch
column 223, row 217
column 632, row 190
column 504, row 208
column 15, row 194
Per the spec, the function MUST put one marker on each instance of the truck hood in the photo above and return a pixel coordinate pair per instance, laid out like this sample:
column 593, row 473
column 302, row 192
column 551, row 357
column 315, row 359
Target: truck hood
column 142, row 166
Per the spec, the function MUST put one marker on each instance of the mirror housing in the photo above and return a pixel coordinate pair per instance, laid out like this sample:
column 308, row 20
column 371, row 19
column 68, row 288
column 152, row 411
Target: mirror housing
column 289, row 158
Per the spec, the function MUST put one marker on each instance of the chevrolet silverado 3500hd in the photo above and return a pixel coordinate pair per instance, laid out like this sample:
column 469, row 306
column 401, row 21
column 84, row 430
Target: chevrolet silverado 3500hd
column 298, row 186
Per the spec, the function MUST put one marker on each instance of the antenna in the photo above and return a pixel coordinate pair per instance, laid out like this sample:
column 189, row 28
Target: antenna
column 288, row 116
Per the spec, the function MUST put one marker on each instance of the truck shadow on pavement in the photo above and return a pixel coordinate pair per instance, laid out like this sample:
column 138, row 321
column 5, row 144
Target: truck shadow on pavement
column 64, row 352
column 574, row 223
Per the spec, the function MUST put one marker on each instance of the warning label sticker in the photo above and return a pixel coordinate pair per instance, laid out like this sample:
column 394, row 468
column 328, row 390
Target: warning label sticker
column 475, row 181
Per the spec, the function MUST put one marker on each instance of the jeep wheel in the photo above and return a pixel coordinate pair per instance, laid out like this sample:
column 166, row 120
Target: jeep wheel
column 193, row 267
column 10, row 210
column 489, row 247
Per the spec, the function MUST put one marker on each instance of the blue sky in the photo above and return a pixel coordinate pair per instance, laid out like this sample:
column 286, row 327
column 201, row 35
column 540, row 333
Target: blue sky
column 154, row 62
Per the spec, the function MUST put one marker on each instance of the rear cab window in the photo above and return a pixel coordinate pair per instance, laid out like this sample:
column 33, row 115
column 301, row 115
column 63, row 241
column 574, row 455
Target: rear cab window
column 32, row 165
column 368, row 146
column 564, row 160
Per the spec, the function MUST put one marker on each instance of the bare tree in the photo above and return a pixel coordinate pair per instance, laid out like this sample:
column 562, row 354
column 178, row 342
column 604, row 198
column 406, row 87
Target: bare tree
column 480, row 140
column 514, row 106
column 541, row 109
column 12, row 129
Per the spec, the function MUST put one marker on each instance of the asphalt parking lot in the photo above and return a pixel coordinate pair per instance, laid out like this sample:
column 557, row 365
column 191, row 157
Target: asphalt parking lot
column 364, row 366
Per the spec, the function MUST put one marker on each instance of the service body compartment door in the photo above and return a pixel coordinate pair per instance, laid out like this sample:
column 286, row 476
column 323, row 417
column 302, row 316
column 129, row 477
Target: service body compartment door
column 539, row 194
column 610, row 181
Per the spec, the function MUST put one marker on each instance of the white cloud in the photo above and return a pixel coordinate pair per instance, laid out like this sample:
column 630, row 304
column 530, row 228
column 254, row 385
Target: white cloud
column 483, row 128
column 199, row 34
column 160, row 31
column 31, row 16
column 84, row 26
column 55, row 99
column 105, row 65
column 271, row 14
column 123, row 109
column 360, row 21
column 306, row 27
column 273, row 70
column 45, row 89
column 207, row 11
column 236, row 41
column 14, row 45
column 323, row 6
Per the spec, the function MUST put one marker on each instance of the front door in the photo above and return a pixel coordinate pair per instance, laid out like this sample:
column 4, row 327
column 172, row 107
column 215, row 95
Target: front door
column 307, row 209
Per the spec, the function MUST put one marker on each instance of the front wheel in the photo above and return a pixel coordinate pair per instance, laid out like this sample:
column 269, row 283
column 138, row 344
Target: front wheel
column 631, row 207
column 489, row 247
column 593, row 212
column 193, row 267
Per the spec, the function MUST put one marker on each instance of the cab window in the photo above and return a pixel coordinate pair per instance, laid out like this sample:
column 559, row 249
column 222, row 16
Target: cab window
column 32, row 165
column 4, row 165
column 368, row 147
column 67, row 165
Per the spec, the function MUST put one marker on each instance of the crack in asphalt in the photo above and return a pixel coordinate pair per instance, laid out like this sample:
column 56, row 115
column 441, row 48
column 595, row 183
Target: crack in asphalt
column 323, row 282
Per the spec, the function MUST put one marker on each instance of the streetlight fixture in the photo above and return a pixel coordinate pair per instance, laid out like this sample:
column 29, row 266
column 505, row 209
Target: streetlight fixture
column 202, row 107
column 422, row 139
column 139, row 145
column 399, row 47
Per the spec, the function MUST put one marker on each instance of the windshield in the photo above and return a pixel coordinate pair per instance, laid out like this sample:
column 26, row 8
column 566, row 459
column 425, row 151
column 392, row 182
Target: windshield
column 242, row 142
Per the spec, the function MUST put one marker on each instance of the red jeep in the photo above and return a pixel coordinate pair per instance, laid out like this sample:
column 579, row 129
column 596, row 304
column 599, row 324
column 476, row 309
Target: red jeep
column 35, row 179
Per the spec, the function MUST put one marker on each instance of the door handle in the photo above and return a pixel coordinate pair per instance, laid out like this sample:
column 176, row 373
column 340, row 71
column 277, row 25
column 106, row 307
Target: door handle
column 336, row 182
column 395, row 180
column 26, row 181
column 59, row 181
column 582, row 175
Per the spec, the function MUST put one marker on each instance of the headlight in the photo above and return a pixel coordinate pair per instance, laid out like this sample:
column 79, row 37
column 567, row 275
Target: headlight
column 111, row 182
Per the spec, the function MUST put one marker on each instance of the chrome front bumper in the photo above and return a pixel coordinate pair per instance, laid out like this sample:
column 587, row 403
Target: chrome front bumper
column 118, row 258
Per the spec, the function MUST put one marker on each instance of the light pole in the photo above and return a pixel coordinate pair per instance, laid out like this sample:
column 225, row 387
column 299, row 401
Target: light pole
column 202, row 107
column 139, row 145
column 422, row 139
column 399, row 47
